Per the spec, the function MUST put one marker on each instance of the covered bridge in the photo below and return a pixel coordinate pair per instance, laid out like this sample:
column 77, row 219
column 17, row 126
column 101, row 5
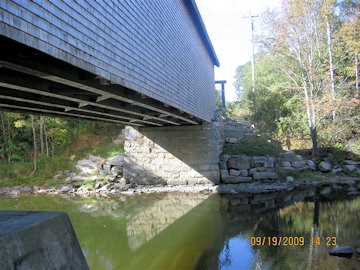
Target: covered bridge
column 140, row 63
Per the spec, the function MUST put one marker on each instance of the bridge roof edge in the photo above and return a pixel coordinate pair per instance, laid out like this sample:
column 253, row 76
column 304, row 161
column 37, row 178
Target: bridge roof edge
column 194, row 11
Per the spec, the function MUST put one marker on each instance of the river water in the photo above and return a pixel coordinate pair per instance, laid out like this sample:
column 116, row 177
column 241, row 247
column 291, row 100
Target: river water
column 199, row 231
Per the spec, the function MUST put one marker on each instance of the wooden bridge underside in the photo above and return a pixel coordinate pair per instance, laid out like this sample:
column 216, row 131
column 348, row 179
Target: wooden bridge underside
column 36, row 83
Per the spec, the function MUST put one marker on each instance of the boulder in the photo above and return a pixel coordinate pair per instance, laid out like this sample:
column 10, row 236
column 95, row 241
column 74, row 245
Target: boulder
column 265, row 175
column 351, row 162
column 337, row 170
column 117, row 169
column 58, row 176
column 286, row 164
column 4, row 190
column 26, row 189
column 65, row 189
column 80, row 177
column 324, row 166
column 289, row 179
column 326, row 191
column 239, row 163
column 110, row 178
column 311, row 164
column 98, row 160
column 349, row 168
column 115, row 161
column 87, row 166
column 345, row 251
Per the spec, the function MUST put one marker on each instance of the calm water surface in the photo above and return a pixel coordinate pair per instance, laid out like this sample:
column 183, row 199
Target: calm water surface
column 196, row 231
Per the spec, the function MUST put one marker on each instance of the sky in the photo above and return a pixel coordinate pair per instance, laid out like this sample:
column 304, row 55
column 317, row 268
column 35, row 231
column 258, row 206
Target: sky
column 230, row 33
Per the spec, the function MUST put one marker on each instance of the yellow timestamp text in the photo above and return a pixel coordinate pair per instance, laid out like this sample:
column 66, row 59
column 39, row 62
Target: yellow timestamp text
column 277, row 241
column 325, row 241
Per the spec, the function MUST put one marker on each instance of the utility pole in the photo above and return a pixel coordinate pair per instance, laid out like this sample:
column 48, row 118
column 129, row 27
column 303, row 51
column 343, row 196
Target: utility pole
column 222, row 96
column 252, row 56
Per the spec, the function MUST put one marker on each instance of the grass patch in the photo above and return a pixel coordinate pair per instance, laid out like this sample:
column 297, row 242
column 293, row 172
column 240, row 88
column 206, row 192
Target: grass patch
column 254, row 146
column 17, row 173
column 109, row 150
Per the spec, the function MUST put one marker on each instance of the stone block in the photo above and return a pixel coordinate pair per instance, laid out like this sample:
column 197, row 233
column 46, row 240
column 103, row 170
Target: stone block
column 252, row 170
column 235, row 179
column 223, row 165
column 224, row 172
column 286, row 170
column 239, row 163
column 38, row 240
column 234, row 172
column 298, row 164
column 265, row 175
column 243, row 173
column 258, row 163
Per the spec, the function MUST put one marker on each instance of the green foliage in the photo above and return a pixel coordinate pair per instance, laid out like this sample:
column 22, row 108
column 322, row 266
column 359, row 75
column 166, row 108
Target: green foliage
column 65, row 138
column 294, row 58
column 218, row 100
column 254, row 146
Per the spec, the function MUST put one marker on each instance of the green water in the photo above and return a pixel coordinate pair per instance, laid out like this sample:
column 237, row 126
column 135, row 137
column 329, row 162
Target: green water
column 196, row 231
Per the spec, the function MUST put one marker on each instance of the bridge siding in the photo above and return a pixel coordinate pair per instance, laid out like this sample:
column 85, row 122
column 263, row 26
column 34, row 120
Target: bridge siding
column 152, row 47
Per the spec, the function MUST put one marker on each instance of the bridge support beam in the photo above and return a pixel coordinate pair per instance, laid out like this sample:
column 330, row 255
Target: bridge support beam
column 173, row 155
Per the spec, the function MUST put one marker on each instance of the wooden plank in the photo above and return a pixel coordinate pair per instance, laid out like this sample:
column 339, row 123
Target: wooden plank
column 51, row 73
column 29, row 109
column 31, row 87
column 68, row 108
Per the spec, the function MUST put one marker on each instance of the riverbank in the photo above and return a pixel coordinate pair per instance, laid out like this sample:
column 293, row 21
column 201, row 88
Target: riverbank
column 326, row 185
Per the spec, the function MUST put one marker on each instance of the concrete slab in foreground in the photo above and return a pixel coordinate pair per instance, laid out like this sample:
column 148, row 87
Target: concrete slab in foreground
column 38, row 240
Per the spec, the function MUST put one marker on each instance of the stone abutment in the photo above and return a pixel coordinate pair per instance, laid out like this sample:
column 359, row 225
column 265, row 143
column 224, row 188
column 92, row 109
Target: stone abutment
column 180, row 155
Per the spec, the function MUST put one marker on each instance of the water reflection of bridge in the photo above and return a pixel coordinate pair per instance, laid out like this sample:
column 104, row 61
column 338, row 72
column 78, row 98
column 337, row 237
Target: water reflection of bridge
column 192, row 231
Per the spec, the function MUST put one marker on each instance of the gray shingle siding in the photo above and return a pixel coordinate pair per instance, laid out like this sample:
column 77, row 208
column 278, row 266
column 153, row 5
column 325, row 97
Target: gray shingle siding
column 152, row 47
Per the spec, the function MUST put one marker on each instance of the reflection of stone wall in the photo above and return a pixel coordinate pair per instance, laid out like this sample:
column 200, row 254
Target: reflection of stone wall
column 173, row 155
column 144, row 225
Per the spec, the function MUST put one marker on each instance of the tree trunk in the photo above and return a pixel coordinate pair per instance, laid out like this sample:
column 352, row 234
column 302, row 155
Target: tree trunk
column 4, row 135
column 310, row 110
column 46, row 140
column 357, row 74
column 34, row 140
column 331, row 65
column 41, row 134
column 52, row 146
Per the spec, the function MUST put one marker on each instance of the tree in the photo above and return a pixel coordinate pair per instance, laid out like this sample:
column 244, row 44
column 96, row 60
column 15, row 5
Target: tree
column 296, row 36
column 34, row 145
